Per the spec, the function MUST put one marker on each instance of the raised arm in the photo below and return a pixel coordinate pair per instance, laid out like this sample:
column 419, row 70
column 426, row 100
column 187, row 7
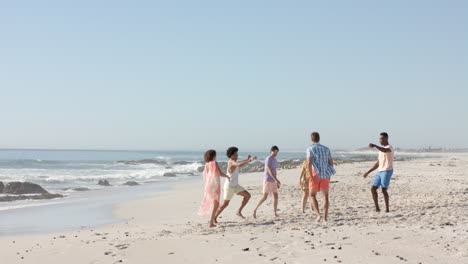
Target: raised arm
column 376, row 165
column 380, row 148
column 243, row 162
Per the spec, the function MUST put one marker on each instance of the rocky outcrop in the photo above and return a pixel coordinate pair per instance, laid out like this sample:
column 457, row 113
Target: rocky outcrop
column 169, row 174
column 42, row 196
column 187, row 173
column 23, row 188
column 103, row 183
column 131, row 183
column 182, row 163
column 24, row 191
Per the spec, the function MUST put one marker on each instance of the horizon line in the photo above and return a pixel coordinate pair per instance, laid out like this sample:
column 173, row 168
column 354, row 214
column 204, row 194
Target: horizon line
column 252, row 150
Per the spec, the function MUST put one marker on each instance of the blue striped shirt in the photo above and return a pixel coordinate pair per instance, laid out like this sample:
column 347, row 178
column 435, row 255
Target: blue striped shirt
column 320, row 155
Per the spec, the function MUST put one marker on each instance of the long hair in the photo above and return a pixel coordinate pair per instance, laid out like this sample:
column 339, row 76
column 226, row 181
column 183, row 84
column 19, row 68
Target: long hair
column 210, row 155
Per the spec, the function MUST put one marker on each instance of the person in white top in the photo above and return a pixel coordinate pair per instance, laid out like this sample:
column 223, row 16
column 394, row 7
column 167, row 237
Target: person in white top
column 232, row 187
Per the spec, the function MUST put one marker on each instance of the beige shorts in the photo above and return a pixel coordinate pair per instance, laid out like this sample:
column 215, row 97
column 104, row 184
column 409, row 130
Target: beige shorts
column 230, row 191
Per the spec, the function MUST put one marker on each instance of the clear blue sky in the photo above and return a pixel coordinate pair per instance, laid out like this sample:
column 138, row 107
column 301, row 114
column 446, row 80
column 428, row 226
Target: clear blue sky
column 200, row 74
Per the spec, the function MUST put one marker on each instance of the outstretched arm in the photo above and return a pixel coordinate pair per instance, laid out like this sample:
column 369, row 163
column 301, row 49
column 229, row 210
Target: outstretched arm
column 380, row 148
column 243, row 162
column 376, row 165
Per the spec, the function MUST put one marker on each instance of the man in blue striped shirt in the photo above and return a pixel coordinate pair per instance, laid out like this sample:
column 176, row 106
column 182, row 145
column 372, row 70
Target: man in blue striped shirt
column 320, row 163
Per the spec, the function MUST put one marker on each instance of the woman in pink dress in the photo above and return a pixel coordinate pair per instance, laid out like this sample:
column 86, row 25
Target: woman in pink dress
column 211, row 175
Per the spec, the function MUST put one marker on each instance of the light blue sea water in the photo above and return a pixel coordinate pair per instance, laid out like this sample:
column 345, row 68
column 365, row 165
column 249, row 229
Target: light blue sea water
column 59, row 169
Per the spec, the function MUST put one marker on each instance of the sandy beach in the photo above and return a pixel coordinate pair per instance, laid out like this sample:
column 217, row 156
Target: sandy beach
column 428, row 223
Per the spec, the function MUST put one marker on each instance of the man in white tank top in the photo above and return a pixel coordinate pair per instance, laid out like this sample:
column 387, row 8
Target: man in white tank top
column 232, row 187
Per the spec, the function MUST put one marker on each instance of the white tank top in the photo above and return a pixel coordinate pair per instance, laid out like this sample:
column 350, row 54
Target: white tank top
column 234, row 178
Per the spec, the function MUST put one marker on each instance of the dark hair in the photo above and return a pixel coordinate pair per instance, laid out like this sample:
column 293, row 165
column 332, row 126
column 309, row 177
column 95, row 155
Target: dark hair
column 210, row 155
column 274, row 148
column 384, row 134
column 231, row 151
column 315, row 136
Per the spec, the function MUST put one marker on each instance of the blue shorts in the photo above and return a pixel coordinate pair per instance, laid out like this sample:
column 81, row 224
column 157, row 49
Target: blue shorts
column 382, row 179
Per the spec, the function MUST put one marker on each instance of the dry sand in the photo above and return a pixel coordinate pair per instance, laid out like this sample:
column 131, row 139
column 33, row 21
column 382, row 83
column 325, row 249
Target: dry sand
column 427, row 224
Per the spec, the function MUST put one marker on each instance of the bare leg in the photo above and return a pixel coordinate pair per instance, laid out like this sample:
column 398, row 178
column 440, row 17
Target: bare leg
column 213, row 213
column 375, row 198
column 325, row 204
column 265, row 196
column 221, row 209
column 305, row 195
column 314, row 205
column 275, row 204
column 386, row 199
column 246, row 199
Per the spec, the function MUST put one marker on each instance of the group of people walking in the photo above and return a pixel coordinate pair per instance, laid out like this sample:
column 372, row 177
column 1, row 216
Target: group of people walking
column 315, row 175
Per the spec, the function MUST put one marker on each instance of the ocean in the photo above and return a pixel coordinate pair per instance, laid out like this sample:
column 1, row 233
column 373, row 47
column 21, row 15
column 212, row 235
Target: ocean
column 57, row 170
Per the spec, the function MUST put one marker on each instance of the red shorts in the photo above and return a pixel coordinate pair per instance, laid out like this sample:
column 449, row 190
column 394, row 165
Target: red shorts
column 321, row 184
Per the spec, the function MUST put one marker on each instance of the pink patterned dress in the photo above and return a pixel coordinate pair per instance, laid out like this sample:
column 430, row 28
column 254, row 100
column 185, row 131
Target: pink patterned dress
column 212, row 188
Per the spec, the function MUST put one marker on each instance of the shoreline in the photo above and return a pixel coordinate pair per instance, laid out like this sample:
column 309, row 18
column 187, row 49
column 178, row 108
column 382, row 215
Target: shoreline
column 164, row 225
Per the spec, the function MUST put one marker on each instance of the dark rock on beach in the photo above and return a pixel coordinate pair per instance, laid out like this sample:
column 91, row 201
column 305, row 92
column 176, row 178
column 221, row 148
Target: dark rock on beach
column 42, row 196
column 187, row 173
column 103, row 183
column 181, row 163
column 169, row 174
column 81, row 189
column 131, row 183
column 77, row 189
column 19, row 189
column 23, row 188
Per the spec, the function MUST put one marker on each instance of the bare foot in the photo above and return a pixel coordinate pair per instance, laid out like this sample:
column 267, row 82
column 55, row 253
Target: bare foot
column 317, row 219
column 387, row 211
column 377, row 210
column 255, row 214
column 212, row 225
column 216, row 221
column 239, row 214
column 325, row 220
column 275, row 215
